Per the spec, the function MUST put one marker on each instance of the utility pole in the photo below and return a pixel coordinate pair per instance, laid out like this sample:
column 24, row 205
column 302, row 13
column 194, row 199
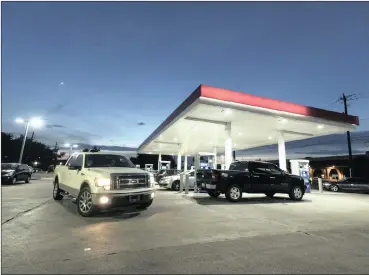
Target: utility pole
column 344, row 99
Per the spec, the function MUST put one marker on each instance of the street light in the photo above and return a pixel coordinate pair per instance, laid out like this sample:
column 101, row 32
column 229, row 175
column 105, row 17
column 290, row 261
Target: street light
column 35, row 122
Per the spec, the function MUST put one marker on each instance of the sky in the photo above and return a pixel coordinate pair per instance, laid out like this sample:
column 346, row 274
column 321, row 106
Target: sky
column 109, row 73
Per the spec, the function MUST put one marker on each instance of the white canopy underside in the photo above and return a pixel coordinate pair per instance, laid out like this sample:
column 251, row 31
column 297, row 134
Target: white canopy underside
column 201, row 126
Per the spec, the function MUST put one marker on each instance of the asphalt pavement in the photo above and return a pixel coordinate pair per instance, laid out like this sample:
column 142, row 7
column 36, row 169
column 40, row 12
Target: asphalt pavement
column 196, row 234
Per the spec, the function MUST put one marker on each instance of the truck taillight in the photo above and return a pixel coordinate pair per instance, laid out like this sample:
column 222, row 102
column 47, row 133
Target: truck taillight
column 214, row 177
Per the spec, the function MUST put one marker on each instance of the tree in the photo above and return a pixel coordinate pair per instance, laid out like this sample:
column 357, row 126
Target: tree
column 33, row 151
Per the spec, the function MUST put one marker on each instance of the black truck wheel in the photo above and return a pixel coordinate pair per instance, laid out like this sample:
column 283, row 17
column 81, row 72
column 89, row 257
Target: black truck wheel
column 296, row 193
column 234, row 193
column 214, row 193
column 28, row 179
column 270, row 194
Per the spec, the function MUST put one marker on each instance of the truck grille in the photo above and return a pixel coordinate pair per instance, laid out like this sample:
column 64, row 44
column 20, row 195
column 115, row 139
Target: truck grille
column 129, row 181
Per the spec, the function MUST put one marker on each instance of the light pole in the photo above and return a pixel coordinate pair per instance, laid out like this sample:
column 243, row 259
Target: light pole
column 34, row 122
column 70, row 146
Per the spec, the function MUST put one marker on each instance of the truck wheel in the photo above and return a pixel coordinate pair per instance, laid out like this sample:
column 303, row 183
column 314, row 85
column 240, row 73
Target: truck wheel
column 84, row 203
column 28, row 179
column 144, row 206
column 270, row 195
column 234, row 193
column 176, row 185
column 14, row 180
column 334, row 188
column 213, row 193
column 296, row 193
column 57, row 192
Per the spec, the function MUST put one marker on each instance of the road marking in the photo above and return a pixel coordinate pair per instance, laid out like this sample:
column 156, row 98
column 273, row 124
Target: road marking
column 87, row 249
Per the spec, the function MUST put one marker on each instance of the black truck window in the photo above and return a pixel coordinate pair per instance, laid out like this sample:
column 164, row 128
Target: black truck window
column 259, row 167
column 272, row 169
column 239, row 166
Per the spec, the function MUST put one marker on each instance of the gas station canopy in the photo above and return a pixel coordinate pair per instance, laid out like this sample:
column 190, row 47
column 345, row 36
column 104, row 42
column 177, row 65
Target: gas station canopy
column 210, row 116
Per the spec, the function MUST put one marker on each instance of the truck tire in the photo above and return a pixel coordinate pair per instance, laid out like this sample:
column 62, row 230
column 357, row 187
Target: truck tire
column 144, row 206
column 296, row 193
column 234, row 193
column 14, row 180
column 28, row 179
column 176, row 185
column 270, row 194
column 57, row 192
column 84, row 203
column 213, row 193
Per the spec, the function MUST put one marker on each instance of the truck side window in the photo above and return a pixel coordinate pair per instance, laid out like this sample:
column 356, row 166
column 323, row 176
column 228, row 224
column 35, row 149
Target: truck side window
column 79, row 160
column 260, row 168
column 239, row 166
column 272, row 169
column 71, row 161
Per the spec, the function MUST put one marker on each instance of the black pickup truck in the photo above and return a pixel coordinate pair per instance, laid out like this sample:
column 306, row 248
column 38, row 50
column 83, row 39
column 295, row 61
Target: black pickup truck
column 252, row 177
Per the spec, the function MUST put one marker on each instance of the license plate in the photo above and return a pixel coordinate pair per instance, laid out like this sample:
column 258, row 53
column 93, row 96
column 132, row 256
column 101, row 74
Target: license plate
column 134, row 198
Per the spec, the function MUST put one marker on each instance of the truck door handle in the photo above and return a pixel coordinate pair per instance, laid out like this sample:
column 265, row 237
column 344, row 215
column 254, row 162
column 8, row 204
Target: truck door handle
column 272, row 177
column 256, row 176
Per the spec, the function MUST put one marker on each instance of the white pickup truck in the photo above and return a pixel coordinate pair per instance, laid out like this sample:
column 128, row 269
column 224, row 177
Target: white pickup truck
column 101, row 181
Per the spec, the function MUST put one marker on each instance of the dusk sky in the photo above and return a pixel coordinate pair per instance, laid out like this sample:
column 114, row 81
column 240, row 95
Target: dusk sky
column 96, row 70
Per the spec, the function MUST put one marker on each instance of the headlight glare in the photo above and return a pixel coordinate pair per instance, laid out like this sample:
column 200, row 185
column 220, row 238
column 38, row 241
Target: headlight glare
column 101, row 182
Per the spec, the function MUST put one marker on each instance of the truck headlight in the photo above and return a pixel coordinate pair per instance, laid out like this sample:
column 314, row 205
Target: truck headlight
column 102, row 182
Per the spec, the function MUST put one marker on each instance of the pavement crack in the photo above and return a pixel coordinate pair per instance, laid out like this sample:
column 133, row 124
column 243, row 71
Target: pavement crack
column 24, row 212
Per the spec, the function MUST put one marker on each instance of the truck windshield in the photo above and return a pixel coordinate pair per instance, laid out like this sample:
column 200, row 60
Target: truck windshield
column 102, row 160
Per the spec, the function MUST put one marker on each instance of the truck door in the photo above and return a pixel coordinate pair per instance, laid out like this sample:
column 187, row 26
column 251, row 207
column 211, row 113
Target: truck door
column 243, row 178
column 66, row 175
column 75, row 175
column 276, row 177
column 260, row 179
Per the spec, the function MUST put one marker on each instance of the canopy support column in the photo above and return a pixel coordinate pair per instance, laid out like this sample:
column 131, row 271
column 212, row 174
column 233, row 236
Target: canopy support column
column 282, row 152
column 215, row 158
column 159, row 161
column 228, row 155
column 179, row 161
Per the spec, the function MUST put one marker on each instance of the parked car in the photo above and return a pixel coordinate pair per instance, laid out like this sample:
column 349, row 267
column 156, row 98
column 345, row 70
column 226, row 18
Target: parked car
column 173, row 182
column 101, row 180
column 14, row 172
column 31, row 169
column 253, row 177
column 165, row 173
column 353, row 184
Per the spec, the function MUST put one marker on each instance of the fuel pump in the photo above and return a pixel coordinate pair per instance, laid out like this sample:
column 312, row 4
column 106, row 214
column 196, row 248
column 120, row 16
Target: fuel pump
column 149, row 167
column 300, row 167
column 164, row 164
